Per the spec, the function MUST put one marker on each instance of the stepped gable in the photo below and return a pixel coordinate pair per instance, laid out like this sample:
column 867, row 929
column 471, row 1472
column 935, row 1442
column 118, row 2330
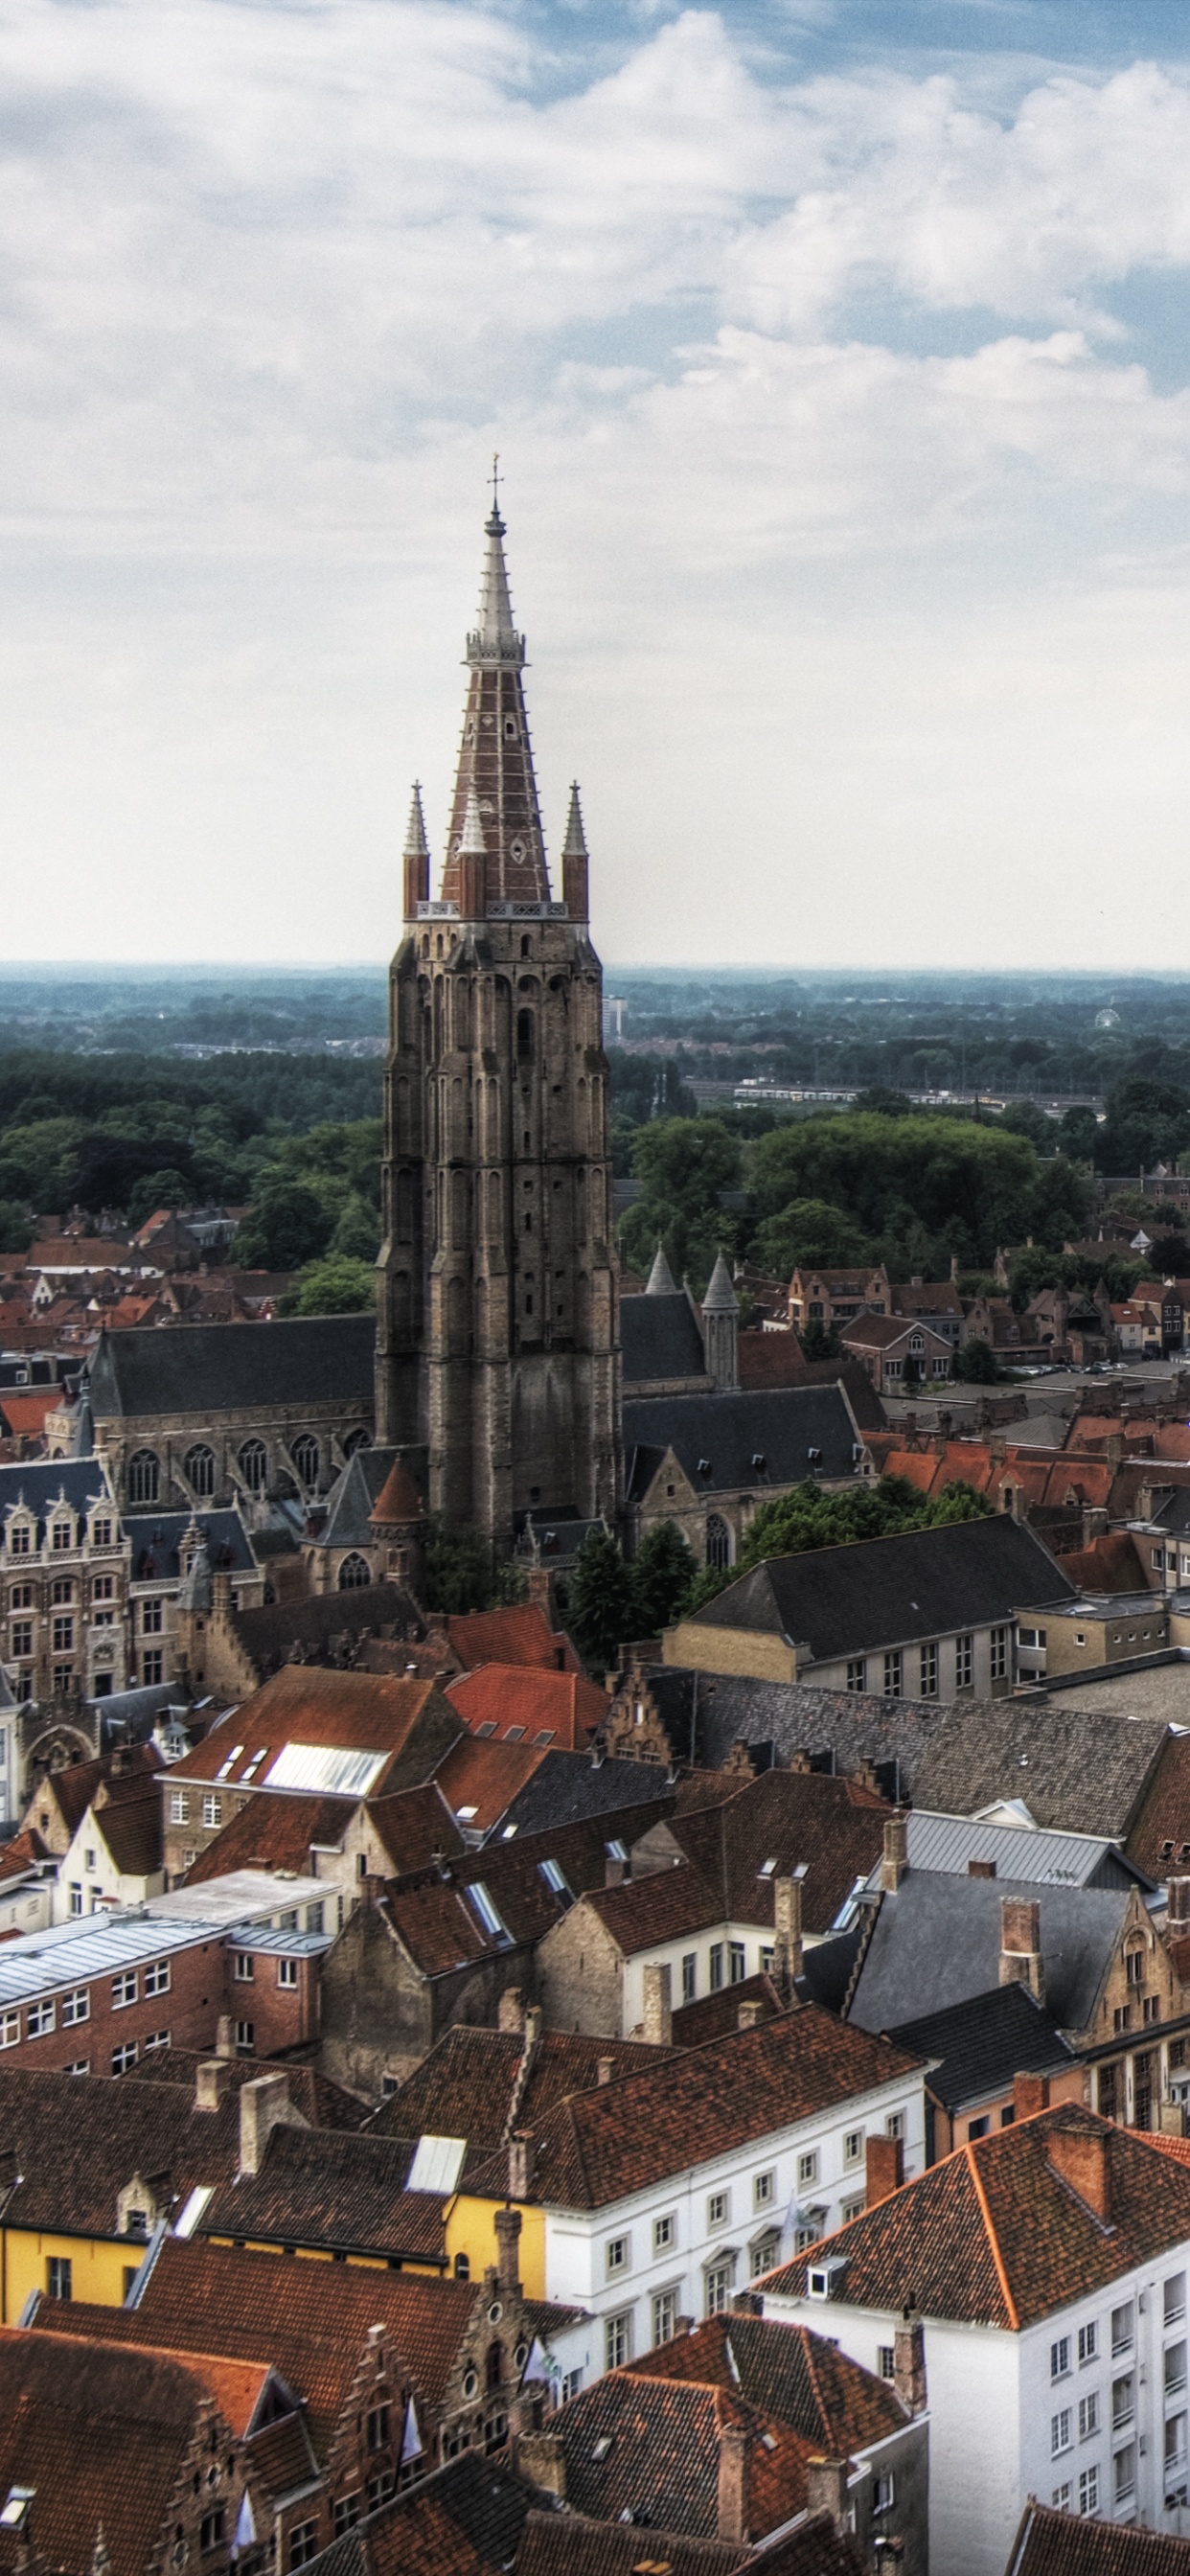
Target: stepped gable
column 997, row 2235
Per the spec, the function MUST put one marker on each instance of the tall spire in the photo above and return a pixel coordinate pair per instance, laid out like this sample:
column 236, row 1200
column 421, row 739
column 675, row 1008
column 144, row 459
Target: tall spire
column 417, row 858
column 574, row 861
column 495, row 759
column 575, row 844
column 416, row 844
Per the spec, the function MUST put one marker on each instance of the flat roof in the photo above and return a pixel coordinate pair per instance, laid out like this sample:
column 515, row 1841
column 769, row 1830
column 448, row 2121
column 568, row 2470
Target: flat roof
column 70, row 1954
column 240, row 1896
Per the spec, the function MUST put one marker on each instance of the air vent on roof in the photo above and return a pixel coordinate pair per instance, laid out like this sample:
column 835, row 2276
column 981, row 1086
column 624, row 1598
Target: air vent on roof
column 704, row 1466
column 815, row 1457
column 759, row 1461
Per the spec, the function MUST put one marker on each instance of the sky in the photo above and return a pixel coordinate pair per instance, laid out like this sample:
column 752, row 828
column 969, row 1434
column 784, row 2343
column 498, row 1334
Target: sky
column 838, row 360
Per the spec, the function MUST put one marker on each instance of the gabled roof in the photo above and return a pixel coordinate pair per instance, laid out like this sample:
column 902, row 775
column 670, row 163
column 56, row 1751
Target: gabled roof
column 755, row 1441
column 72, row 1790
column 480, row 1776
column 1159, row 1840
column 466, row 2086
column 1048, row 1858
column 870, row 1332
column 568, row 1788
column 792, row 2375
column 156, row 1538
column 648, row 2449
column 76, row 2140
column 982, row 2043
column 131, row 1829
column 465, row 2520
column 920, row 1583
column 518, row 1634
column 36, row 1484
column 323, row 2104
column 272, row 1633
column 405, row 1724
column 1066, row 2544
column 332, row 2188
column 446, row 1921
column 997, row 2235
column 936, row 1941
column 229, row 1368
column 659, row 1338
column 545, row 1708
column 20, row 1857
column 602, row 2145
column 123, row 2421
column 275, row 1831
column 779, row 1822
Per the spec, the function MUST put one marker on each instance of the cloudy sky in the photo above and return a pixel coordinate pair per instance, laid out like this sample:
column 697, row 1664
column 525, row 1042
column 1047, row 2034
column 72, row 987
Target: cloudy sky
column 838, row 356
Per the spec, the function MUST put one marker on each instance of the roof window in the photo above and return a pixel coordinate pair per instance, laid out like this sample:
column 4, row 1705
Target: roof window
column 228, row 1760
column 487, row 1912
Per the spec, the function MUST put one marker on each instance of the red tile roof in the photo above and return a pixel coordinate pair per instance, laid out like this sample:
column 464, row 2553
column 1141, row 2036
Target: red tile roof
column 318, row 1705
column 398, row 1501
column 518, row 1635
column 798, row 2377
column 563, row 1707
column 1065, row 2544
column 101, row 2436
column 465, row 2087
column 648, row 2450
column 483, row 1776
column 996, row 2235
column 1110, row 1564
column 275, row 1830
column 21, row 1855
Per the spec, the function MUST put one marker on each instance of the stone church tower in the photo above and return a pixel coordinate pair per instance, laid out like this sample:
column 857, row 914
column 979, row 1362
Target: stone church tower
column 497, row 1340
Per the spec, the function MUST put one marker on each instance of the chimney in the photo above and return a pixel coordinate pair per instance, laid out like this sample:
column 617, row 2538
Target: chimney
column 541, row 2459
column 909, row 2362
column 521, row 2161
column 1115, row 1449
column 826, row 2489
column 1171, row 2120
column 224, row 2043
column 735, row 2480
column 884, row 2169
column 895, row 1863
column 1030, row 2094
column 981, row 1869
column 508, row 2269
column 787, row 1924
column 212, row 2084
column 1179, row 1904
column 605, row 2069
column 1020, row 1945
column 659, row 2020
column 512, row 2009
column 1081, row 2157
column 262, row 2104
column 748, row 2014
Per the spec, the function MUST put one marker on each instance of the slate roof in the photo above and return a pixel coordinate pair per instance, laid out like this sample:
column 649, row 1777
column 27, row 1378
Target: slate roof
column 660, row 1338
column 884, row 1591
column 335, row 2189
column 981, row 2044
column 156, row 1537
column 936, row 1942
column 1083, row 1771
column 649, row 2448
column 269, row 1631
column 465, row 2087
column 122, row 2420
column 39, row 1483
column 994, row 2235
column 226, row 1368
column 348, row 1521
column 599, row 2146
column 1065, row 2544
column 834, row 1828
column 780, row 1427
column 569, row 1787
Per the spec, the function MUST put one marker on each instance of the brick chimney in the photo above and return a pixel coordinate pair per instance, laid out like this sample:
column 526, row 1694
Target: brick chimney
column 508, row 2237
column 212, row 2084
column 895, row 1864
column 826, row 2489
column 512, row 2009
column 909, row 2362
column 1030, row 2094
column 735, row 2482
column 748, row 2014
column 981, row 1869
column 1114, row 1447
column 658, row 2005
column 263, row 2103
column 884, row 2169
column 605, row 2068
column 224, row 2040
column 1179, row 1904
column 521, row 2162
column 1020, row 1944
column 787, row 1924
column 541, row 2458
column 1081, row 2157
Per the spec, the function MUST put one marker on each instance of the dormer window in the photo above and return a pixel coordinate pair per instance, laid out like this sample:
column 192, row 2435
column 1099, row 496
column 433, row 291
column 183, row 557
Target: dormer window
column 20, row 1539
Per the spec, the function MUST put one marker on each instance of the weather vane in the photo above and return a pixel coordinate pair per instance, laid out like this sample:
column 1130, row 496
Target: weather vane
column 496, row 483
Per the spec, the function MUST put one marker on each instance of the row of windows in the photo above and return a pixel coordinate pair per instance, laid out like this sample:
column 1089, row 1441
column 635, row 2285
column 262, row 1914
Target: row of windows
column 123, row 2059
column 200, row 1466
column 41, row 2017
column 894, row 1664
column 62, row 1535
column 287, row 1970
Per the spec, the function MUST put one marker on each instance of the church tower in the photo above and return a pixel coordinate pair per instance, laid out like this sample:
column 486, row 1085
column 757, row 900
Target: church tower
column 497, row 1338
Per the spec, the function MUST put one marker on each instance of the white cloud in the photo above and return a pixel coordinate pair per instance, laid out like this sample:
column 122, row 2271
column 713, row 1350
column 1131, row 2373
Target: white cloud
column 274, row 279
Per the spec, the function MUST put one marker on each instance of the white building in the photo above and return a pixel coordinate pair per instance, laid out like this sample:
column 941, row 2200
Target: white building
column 1049, row 2263
column 665, row 2192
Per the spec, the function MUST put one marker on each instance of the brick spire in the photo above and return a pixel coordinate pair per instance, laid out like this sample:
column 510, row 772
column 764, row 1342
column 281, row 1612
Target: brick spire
column 495, row 758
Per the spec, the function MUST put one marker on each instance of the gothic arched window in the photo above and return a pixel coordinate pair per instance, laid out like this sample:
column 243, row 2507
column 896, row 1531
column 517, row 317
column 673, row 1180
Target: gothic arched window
column 254, row 1465
column 355, row 1574
column 359, row 1439
column 304, row 1453
column 199, row 1464
column 718, row 1541
column 144, row 1476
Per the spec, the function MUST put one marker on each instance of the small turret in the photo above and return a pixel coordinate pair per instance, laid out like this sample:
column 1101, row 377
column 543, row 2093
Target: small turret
column 417, row 859
column 720, row 1325
column 574, row 862
column 661, row 1279
column 472, row 855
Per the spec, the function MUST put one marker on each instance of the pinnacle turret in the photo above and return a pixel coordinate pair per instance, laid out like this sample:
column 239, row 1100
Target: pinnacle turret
column 495, row 638
column 472, row 843
column 661, row 1279
column 720, row 1298
column 575, row 844
column 416, row 844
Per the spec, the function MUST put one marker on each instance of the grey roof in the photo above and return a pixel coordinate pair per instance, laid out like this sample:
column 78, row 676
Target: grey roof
column 720, row 1298
column 1059, row 1859
column 781, row 1427
column 36, row 1963
column 883, row 1591
column 661, row 1281
column 156, row 1537
column 659, row 1338
column 39, row 1483
column 351, row 1499
column 981, row 2044
column 936, row 1942
column 1174, row 1515
column 570, row 1789
column 223, row 1368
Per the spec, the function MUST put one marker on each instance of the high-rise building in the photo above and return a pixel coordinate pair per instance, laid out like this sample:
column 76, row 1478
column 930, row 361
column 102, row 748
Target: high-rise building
column 497, row 1339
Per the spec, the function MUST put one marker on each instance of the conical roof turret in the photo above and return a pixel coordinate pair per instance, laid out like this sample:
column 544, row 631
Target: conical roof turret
column 661, row 1279
column 575, row 844
column 494, row 638
column 720, row 1298
column 416, row 844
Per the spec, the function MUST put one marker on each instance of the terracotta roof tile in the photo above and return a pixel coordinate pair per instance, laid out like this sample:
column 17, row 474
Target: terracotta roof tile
column 649, row 2448
column 275, row 1830
column 464, row 2088
column 480, row 1779
column 792, row 2375
column 1064, row 2544
column 123, row 2421
column 520, row 1634
column 561, row 1708
column 995, row 2235
column 323, row 2104
column 833, row 1828
column 77, row 2140
column 22, row 1854
column 714, row 2016
column 570, row 2545
column 335, row 2189
column 408, row 1720
column 398, row 1501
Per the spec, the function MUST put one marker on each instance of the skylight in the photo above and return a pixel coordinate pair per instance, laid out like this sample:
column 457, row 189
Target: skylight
column 437, row 2164
column 335, row 1768
column 487, row 1912
column 226, row 1764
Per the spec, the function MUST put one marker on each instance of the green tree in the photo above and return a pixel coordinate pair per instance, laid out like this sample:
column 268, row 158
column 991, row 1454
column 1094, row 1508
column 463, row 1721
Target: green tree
column 1147, row 1122
column 820, row 1341
column 334, row 1286
column 357, row 1233
column 661, row 1573
column 807, row 1518
column 809, row 1232
column 16, row 1233
column 460, row 1572
column 165, row 1189
column 891, row 1174
column 879, row 1101
column 976, row 1364
column 602, row 1604
column 286, row 1225
column 684, row 1165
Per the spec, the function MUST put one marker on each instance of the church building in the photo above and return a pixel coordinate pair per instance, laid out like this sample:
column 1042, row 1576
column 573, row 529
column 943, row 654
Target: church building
column 497, row 1367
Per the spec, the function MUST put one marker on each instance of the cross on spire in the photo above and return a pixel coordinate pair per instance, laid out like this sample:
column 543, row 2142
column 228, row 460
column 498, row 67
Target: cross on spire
column 495, row 523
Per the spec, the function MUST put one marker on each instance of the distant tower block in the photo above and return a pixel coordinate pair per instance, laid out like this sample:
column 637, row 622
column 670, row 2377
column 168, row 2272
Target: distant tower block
column 497, row 1337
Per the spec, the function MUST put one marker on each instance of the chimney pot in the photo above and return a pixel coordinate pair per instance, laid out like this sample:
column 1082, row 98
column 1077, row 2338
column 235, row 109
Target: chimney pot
column 826, row 2489
column 606, row 2068
column 512, row 2009
column 263, row 2103
column 909, row 2362
column 735, row 2466
column 521, row 2161
column 224, row 2043
column 508, row 2269
column 1030, row 2093
column 1082, row 2158
column 884, row 2164
column 1020, row 1944
column 212, row 2084
column 748, row 2014
column 658, row 2014
column 895, row 1864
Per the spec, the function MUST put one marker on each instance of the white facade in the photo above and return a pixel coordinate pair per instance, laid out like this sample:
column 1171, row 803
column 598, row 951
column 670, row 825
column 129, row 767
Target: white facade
column 685, row 2244
column 1086, row 2410
column 700, row 1963
column 88, row 1878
